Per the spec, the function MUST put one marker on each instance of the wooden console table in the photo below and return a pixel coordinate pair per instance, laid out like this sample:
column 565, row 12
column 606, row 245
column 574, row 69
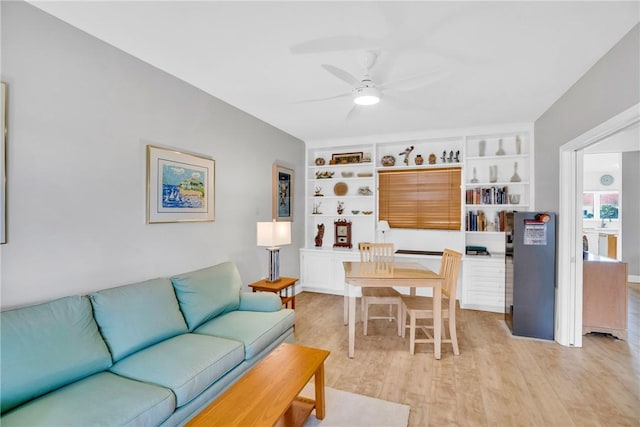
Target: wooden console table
column 280, row 287
column 267, row 395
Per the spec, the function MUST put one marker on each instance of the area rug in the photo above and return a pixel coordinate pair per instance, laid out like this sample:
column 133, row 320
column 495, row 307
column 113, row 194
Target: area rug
column 344, row 409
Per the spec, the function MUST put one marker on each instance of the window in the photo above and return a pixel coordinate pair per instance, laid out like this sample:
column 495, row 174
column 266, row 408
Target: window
column 600, row 205
column 423, row 198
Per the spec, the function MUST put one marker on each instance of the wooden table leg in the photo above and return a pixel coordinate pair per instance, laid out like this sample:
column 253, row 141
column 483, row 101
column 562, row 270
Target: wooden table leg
column 352, row 322
column 319, row 383
column 437, row 320
column 346, row 304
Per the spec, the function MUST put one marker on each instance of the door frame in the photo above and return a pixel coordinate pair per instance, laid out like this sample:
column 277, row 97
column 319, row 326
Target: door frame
column 569, row 291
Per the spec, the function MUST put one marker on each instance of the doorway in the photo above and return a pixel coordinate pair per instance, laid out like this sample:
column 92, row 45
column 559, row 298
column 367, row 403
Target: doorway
column 568, row 328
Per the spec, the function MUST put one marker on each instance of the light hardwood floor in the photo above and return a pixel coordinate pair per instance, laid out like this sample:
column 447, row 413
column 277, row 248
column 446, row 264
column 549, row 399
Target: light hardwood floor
column 496, row 380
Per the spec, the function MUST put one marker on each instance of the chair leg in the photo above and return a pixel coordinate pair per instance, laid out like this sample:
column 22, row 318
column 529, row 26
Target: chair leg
column 399, row 319
column 412, row 333
column 453, row 334
column 390, row 312
column 365, row 314
column 404, row 321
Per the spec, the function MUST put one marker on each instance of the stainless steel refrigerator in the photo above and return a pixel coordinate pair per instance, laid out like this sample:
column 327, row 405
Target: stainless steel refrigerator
column 531, row 275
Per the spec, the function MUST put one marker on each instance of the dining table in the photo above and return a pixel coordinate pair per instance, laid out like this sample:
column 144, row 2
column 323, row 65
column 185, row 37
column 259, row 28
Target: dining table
column 409, row 274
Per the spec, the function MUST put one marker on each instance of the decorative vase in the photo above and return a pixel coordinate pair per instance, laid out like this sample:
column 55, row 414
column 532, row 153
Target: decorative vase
column 515, row 177
column 388, row 160
column 518, row 145
column 482, row 147
column 475, row 178
column 419, row 160
column 432, row 159
column 493, row 173
column 500, row 151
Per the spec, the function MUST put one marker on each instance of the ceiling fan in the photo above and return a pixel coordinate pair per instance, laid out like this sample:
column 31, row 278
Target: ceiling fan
column 366, row 92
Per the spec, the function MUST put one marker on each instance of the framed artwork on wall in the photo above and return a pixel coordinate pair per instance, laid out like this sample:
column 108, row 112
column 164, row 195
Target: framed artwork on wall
column 180, row 186
column 282, row 193
column 3, row 165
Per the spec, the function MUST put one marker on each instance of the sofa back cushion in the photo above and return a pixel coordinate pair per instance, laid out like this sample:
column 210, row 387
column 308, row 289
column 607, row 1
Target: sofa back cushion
column 136, row 316
column 207, row 293
column 47, row 346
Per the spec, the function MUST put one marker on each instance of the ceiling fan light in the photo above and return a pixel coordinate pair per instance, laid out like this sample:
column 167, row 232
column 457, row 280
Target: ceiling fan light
column 366, row 96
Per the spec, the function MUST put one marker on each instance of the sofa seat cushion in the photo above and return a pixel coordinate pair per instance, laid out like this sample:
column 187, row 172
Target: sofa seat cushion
column 186, row 364
column 103, row 399
column 207, row 293
column 138, row 315
column 256, row 330
column 47, row 346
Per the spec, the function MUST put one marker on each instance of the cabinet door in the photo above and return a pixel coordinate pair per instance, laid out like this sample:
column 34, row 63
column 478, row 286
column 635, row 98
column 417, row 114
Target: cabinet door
column 484, row 285
column 317, row 272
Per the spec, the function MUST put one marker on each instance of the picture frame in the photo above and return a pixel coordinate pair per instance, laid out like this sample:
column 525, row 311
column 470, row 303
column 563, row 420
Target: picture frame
column 180, row 186
column 3, row 163
column 282, row 193
column 346, row 158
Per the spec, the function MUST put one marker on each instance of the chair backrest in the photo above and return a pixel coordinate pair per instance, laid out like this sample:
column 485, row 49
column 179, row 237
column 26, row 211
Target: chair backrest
column 449, row 268
column 380, row 254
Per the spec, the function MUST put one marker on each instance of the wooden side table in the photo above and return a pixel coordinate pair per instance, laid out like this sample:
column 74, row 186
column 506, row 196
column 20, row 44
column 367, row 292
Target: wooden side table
column 280, row 287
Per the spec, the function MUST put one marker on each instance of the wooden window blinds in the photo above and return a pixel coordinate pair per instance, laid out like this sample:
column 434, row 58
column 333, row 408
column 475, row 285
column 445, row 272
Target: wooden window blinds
column 420, row 198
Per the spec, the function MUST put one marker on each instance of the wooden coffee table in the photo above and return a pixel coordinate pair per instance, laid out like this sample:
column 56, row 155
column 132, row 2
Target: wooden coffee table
column 267, row 395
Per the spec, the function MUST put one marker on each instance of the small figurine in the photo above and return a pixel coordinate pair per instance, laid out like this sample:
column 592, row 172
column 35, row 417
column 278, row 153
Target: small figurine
column 450, row 159
column 318, row 192
column 419, row 160
column 316, row 208
column 340, row 208
column 432, row 159
column 320, row 234
column 457, row 158
column 406, row 153
column 444, row 156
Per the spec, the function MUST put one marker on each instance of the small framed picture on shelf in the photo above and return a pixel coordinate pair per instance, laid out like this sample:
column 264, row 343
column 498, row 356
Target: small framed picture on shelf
column 346, row 158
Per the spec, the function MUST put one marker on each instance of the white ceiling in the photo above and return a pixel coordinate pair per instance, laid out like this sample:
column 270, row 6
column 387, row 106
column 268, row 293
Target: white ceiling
column 504, row 62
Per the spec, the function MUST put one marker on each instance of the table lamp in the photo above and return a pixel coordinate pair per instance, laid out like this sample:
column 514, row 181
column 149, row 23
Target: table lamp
column 273, row 234
column 383, row 227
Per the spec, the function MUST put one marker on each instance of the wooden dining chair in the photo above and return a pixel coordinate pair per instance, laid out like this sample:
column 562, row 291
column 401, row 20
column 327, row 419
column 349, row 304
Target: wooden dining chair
column 419, row 307
column 379, row 257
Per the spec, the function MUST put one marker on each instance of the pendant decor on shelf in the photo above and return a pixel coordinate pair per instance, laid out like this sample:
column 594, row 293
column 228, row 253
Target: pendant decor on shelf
column 515, row 177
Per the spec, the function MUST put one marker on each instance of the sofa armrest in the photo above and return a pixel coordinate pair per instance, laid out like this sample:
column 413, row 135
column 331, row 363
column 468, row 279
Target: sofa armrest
column 259, row 301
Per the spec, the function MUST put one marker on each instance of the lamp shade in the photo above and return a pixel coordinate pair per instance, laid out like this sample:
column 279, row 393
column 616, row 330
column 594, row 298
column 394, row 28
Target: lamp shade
column 383, row 226
column 273, row 233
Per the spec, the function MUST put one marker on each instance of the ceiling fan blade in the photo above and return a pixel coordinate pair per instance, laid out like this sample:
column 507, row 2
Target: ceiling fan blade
column 415, row 82
column 332, row 44
column 341, row 74
column 342, row 95
column 404, row 103
column 354, row 113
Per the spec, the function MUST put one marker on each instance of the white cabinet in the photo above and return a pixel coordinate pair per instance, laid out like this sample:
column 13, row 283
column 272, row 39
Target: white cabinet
column 322, row 270
column 483, row 284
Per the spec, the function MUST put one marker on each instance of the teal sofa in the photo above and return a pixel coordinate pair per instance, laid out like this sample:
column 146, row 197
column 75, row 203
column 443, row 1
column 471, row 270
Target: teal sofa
column 145, row 354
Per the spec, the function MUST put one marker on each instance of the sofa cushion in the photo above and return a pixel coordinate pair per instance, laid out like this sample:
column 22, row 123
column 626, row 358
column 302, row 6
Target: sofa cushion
column 207, row 293
column 103, row 399
column 255, row 329
column 135, row 316
column 186, row 364
column 47, row 346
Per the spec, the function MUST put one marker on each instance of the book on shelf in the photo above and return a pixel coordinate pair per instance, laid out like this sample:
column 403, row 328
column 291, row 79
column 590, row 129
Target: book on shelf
column 477, row 250
column 479, row 221
column 487, row 195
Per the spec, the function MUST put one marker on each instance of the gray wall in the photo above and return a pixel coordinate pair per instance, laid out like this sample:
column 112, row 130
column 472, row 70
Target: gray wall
column 80, row 116
column 610, row 87
column 631, row 211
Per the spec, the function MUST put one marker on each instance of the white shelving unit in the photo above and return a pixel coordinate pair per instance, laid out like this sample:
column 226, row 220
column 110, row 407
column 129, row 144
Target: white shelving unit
column 482, row 277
